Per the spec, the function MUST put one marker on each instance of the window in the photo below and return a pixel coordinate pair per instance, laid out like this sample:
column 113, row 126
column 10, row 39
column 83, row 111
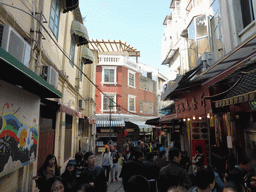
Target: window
column 197, row 38
column 247, row 12
column 149, row 75
column 147, row 107
column 109, row 75
column 131, row 78
column 55, row 18
column 72, row 52
column 108, row 101
column 216, row 31
column 131, row 103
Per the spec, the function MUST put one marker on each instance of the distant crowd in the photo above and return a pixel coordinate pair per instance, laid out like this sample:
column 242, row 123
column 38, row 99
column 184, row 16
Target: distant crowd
column 148, row 167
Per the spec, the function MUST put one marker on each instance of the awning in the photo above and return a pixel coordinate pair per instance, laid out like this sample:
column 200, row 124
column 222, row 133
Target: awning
column 169, row 56
column 154, row 121
column 16, row 73
column 79, row 30
column 243, row 88
column 234, row 58
column 70, row 5
column 169, row 117
column 181, row 83
column 106, row 123
column 137, row 124
column 70, row 111
column 87, row 55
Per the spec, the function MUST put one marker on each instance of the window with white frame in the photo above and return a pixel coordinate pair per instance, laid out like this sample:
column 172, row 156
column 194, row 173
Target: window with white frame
column 109, row 75
column 108, row 100
column 55, row 18
column 131, row 78
column 197, row 38
column 131, row 103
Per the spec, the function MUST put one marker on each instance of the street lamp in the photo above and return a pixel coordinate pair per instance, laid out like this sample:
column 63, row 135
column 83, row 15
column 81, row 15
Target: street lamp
column 118, row 111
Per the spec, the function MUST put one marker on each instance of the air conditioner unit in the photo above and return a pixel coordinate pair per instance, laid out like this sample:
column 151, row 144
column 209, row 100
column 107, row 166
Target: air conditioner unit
column 81, row 104
column 13, row 43
column 50, row 75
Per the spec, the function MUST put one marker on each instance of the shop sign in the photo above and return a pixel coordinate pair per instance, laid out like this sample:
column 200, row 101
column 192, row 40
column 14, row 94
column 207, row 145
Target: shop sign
column 106, row 130
column 253, row 104
column 101, row 149
column 100, row 143
column 106, row 134
column 130, row 130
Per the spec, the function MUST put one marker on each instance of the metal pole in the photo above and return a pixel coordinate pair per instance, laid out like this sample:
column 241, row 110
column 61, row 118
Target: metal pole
column 110, row 125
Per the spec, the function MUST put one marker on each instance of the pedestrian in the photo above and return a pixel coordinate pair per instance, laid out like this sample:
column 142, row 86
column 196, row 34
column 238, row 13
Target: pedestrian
column 161, row 160
column 204, row 180
column 132, row 167
column 151, row 171
column 162, row 148
column 106, row 161
column 127, row 154
column 185, row 161
column 49, row 169
column 137, row 183
column 232, row 186
column 86, row 188
column 219, row 170
column 80, row 164
column 172, row 174
column 115, row 158
column 94, row 174
column 198, row 160
column 55, row 184
column 69, row 177
column 240, row 173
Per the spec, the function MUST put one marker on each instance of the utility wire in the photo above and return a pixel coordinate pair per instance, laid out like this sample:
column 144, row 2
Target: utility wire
column 66, row 55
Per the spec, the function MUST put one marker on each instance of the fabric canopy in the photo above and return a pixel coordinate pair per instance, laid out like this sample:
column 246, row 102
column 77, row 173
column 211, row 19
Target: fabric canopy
column 106, row 123
column 87, row 55
column 80, row 31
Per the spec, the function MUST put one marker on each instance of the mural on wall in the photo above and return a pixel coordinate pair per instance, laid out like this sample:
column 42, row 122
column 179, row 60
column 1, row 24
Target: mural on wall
column 18, row 128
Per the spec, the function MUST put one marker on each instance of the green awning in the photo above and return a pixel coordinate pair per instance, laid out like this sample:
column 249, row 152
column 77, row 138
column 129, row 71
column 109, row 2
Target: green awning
column 80, row 31
column 70, row 5
column 87, row 55
column 16, row 73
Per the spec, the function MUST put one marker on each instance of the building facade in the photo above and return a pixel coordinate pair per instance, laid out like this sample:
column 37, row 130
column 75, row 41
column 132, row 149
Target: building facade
column 217, row 43
column 44, row 108
column 124, row 90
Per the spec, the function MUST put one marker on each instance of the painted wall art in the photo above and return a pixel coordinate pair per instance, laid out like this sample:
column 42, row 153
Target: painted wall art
column 19, row 114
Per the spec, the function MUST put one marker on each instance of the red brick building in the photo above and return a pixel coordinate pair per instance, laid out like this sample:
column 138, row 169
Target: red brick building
column 121, row 84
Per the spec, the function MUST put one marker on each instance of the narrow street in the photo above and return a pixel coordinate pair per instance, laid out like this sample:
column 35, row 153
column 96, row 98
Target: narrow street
column 115, row 186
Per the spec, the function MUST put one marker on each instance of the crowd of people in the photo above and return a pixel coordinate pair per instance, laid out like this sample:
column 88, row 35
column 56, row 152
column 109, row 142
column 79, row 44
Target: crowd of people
column 147, row 167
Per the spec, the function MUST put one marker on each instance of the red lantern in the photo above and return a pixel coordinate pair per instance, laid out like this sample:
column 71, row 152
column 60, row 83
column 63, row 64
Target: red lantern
column 125, row 133
column 159, row 132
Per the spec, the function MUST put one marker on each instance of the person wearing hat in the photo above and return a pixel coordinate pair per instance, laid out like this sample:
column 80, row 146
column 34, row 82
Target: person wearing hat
column 106, row 161
column 69, row 176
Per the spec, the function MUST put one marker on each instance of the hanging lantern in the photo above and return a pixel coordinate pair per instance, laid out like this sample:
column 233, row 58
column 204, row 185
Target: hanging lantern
column 125, row 133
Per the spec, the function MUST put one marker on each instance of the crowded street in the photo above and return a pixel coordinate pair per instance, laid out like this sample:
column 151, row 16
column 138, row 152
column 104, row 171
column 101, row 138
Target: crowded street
column 127, row 96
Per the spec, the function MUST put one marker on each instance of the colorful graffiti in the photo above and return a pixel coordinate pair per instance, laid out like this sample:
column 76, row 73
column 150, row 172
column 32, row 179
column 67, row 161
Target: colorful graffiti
column 18, row 141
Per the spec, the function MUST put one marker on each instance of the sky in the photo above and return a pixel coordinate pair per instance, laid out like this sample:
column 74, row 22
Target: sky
column 137, row 22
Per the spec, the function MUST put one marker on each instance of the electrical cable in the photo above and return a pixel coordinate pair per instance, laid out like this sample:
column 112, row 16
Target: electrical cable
column 66, row 55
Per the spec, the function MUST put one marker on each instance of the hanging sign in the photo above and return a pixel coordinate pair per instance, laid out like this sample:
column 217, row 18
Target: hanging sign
column 253, row 104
